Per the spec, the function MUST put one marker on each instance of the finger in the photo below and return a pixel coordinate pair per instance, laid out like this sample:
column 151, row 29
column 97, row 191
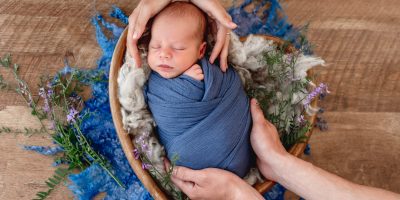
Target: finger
column 256, row 113
column 186, row 186
column 201, row 76
column 225, row 19
column 217, row 11
column 224, row 54
column 221, row 35
column 134, row 51
column 132, row 43
column 167, row 164
column 195, row 66
column 132, row 19
column 186, row 174
column 141, row 21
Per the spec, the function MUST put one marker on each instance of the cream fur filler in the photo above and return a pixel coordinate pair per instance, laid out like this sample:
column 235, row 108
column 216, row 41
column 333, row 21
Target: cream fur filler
column 245, row 57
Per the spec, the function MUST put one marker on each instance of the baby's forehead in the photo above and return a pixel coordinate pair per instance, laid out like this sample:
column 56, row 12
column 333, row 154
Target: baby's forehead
column 188, row 28
column 183, row 11
column 171, row 20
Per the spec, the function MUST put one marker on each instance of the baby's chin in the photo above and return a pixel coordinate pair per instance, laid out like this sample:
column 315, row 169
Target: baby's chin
column 167, row 75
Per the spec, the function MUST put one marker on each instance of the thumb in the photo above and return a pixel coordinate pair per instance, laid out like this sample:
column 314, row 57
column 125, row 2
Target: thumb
column 256, row 113
column 185, row 174
column 184, row 178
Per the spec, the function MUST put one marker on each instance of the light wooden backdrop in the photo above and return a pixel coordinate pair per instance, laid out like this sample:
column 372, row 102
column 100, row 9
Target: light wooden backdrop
column 359, row 39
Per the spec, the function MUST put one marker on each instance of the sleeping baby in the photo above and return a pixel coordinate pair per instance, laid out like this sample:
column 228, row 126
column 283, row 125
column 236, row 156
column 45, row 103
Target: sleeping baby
column 202, row 114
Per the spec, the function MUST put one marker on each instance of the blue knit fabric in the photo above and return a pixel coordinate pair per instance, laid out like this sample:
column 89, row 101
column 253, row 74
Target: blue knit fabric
column 198, row 118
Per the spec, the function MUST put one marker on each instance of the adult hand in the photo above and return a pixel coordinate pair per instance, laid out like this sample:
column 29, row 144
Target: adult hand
column 148, row 8
column 266, row 144
column 137, row 24
column 212, row 183
column 224, row 25
column 299, row 176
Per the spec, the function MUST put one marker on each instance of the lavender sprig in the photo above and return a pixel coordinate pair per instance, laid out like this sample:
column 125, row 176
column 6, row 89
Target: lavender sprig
column 321, row 89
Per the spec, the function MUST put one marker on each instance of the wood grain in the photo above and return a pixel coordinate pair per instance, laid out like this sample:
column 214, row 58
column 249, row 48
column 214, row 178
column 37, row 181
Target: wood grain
column 360, row 42
column 359, row 39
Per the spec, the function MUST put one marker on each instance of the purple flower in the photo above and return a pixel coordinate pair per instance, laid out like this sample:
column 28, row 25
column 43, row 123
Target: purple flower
column 46, row 107
column 136, row 153
column 72, row 115
column 30, row 100
column 50, row 92
column 139, row 140
column 52, row 125
column 321, row 89
column 42, row 92
column 49, row 85
column 146, row 165
column 301, row 119
column 145, row 147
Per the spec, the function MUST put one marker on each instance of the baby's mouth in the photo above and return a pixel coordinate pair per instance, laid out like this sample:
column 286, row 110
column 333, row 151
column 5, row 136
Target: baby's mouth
column 165, row 67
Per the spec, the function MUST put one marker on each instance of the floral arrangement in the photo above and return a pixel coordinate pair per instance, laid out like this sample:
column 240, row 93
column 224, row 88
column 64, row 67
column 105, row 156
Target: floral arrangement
column 61, row 100
column 287, row 91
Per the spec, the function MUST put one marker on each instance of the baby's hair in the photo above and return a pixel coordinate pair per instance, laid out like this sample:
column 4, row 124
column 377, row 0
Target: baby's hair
column 185, row 9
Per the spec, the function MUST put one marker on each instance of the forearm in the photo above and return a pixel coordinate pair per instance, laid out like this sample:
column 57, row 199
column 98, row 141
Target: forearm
column 311, row 182
column 242, row 190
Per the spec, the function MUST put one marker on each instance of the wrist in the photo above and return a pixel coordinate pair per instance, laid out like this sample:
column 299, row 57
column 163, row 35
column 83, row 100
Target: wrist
column 274, row 165
column 282, row 165
column 242, row 190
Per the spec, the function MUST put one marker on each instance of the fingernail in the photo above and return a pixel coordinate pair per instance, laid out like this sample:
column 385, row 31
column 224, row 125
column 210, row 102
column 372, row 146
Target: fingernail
column 233, row 25
column 135, row 35
column 255, row 102
column 174, row 172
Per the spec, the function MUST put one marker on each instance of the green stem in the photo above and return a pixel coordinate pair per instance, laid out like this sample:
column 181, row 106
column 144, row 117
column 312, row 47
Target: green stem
column 32, row 104
column 102, row 163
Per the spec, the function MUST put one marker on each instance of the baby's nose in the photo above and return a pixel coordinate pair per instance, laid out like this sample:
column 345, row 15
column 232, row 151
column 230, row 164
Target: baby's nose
column 165, row 53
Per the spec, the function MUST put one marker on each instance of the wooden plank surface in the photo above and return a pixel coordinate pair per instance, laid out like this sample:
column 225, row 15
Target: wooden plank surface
column 359, row 39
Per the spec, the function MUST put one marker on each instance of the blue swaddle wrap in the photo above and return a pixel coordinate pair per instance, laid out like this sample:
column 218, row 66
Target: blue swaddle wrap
column 205, row 123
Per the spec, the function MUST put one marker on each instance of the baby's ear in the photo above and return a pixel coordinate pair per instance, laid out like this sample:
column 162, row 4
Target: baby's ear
column 202, row 50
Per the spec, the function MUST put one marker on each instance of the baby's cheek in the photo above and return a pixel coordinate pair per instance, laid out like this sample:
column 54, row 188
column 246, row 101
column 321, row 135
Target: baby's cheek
column 150, row 60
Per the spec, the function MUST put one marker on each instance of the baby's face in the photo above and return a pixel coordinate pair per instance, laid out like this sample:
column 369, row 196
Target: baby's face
column 173, row 47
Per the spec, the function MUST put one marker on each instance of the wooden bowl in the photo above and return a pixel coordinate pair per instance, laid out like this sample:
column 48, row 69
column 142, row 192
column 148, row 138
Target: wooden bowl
column 126, row 139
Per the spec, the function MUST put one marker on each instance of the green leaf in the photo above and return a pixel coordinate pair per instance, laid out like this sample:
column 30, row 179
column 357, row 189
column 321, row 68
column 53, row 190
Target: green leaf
column 62, row 172
column 54, row 181
column 5, row 62
column 57, row 178
column 16, row 67
column 49, row 184
column 43, row 193
column 42, row 196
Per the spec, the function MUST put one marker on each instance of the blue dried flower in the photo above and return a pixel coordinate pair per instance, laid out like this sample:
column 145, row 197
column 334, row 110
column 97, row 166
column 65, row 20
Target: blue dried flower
column 44, row 150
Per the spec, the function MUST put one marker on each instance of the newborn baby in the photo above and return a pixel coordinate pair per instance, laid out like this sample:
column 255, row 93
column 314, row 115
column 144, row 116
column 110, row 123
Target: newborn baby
column 202, row 114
